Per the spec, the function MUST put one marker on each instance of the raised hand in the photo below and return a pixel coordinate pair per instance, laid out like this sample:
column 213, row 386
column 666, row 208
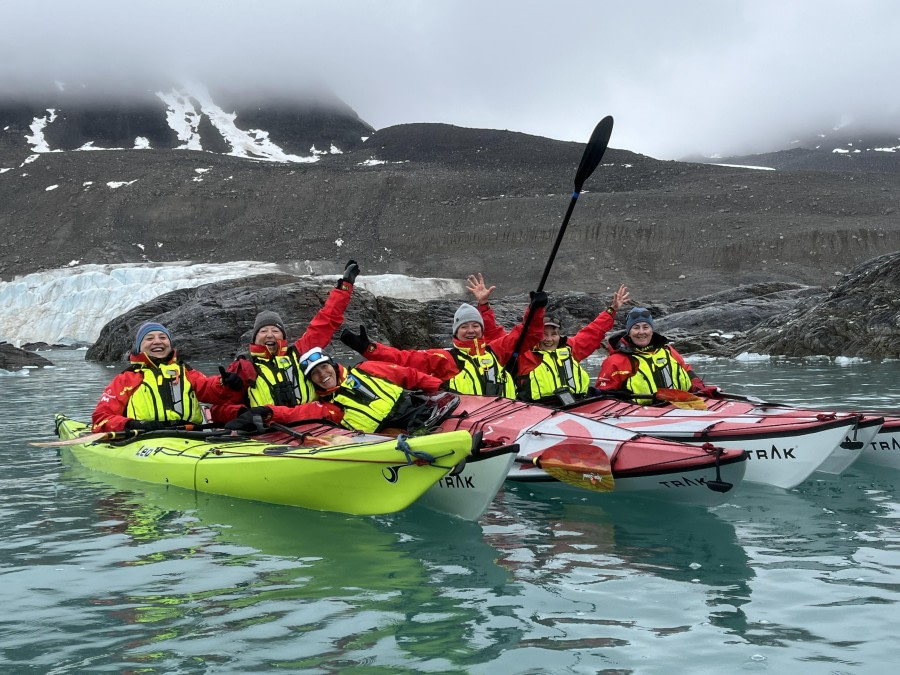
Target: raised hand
column 231, row 380
column 538, row 299
column 358, row 343
column 620, row 297
column 476, row 286
column 351, row 271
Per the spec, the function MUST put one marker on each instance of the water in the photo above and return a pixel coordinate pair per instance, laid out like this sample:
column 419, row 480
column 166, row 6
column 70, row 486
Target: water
column 102, row 574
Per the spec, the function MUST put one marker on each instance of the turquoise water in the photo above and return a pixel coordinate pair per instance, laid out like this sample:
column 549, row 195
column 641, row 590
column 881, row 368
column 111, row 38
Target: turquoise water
column 102, row 574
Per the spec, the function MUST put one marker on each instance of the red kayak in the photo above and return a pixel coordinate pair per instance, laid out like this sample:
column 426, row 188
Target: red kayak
column 639, row 465
column 784, row 450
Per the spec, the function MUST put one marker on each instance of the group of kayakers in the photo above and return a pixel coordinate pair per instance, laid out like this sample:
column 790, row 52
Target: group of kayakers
column 284, row 382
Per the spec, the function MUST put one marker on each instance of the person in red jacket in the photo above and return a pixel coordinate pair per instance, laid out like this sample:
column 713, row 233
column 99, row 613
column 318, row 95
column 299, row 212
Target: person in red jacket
column 474, row 365
column 272, row 372
column 551, row 372
column 641, row 361
column 158, row 390
column 368, row 397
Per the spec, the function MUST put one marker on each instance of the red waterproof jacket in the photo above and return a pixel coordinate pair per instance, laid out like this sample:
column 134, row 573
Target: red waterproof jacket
column 318, row 334
column 584, row 343
column 440, row 362
column 620, row 364
column 109, row 413
column 399, row 375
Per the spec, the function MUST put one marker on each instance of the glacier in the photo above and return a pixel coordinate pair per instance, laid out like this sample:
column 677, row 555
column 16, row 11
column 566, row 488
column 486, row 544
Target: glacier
column 71, row 305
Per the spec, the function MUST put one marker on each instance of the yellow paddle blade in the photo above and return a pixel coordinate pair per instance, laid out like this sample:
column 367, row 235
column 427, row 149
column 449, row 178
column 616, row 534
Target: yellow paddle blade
column 586, row 481
column 681, row 399
column 78, row 440
column 584, row 466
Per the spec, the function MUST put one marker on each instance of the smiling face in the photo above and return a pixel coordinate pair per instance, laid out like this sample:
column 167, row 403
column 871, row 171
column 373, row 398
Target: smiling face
column 550, row 341
column 156, row 344
column 640, row 334
column 470, row 330
column 269, row 336
column 324, row 376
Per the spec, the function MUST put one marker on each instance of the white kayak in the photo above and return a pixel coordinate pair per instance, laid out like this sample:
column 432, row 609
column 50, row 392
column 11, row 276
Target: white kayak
column 783, row 451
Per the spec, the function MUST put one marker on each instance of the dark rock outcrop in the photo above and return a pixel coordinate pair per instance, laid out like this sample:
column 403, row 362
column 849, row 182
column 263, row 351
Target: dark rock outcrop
column 13, row 358
column 859, row 317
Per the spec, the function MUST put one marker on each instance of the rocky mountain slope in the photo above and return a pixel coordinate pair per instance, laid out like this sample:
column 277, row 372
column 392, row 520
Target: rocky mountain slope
column 421, row 199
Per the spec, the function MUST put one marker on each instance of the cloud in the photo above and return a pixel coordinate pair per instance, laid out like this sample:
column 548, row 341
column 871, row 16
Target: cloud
column 706, row 76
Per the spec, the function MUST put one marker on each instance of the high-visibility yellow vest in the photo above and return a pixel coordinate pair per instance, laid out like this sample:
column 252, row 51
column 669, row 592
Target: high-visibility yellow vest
column 367, row 400
column 657, row 370
column 481, row 374
column 280, row 381
column 557, row 370
column 165, row 394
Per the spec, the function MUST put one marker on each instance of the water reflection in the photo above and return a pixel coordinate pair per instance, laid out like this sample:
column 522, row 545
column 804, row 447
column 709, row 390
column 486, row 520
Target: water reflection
column 585, row 542
column 320, row 589
column 107, row 574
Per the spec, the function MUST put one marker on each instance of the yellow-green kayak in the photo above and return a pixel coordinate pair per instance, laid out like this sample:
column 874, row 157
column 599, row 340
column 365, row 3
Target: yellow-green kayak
column 362, row 476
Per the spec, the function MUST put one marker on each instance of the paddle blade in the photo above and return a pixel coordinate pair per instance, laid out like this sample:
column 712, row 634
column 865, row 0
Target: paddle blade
column 78, row 440
column 681, row 399
column 586, row 467
column 593, row 151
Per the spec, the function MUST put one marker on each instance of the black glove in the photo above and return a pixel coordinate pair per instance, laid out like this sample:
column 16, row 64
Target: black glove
column 358, row 343
column 231, row 380
column 351, row 271
column 145, row 425
column 538, row 299
column 246, row 422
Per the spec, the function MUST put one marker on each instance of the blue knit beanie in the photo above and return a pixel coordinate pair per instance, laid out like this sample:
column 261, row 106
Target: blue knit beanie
column 638, row 315
column 148, row 327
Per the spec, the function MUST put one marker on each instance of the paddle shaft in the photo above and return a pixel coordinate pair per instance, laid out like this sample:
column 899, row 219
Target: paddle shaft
column 590, row 159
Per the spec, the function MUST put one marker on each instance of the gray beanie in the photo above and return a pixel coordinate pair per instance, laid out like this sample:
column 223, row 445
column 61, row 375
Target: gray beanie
column 464, row 314
column 268, row 318
column 638, row 315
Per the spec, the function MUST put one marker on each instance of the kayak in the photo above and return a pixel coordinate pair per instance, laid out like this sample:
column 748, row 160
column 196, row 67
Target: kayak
column 362, row 476
column 783, row 451
column 884, row 448
column 881, row 449
column 465, row 492
column 639, row 465
column 866, row 427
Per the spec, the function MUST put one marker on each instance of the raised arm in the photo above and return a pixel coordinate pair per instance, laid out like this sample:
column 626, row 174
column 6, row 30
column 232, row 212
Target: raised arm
column 328, row 319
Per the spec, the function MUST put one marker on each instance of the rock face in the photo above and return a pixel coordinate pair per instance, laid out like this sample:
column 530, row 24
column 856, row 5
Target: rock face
column 428, row 200
column 13, row 358
column 858, row 317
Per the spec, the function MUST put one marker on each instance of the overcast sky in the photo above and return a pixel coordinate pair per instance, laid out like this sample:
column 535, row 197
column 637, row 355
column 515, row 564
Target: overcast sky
column 679, row 76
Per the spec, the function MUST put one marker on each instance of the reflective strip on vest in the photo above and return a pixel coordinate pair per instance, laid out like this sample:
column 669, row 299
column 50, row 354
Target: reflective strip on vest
column 367, row 400
column 557, row 370
column 657, row 370
column 280, row 381
column 481, row 375
column 165, row 394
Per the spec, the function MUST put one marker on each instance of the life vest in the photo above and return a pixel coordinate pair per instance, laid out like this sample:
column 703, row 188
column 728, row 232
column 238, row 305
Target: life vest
column 280, row 381
column 367, row 400
column 164, row 394
column 557, row 370
column 480, row 374
column 656, row 370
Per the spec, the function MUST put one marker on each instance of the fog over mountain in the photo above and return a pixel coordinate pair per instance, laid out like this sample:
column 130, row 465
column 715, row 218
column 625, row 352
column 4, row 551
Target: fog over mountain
column 701, row 78
column 394, row 133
